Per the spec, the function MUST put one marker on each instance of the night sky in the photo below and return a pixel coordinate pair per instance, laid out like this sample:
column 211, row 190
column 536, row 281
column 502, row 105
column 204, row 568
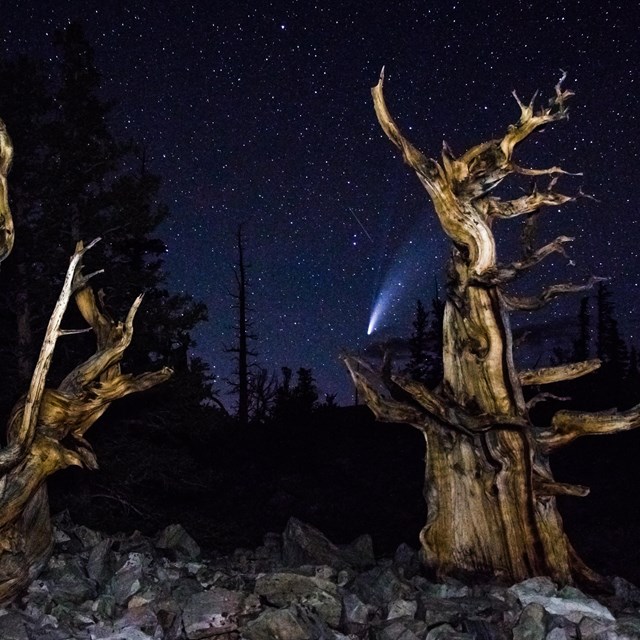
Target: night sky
column 260, row 113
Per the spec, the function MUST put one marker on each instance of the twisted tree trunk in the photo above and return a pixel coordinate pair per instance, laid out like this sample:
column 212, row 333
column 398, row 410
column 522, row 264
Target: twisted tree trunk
column 488, row 486
column 47, row 426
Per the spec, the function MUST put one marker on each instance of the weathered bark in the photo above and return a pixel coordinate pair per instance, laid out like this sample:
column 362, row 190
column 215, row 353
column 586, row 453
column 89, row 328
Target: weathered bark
column 6, row 221
column 47, row 426
column 488, row 486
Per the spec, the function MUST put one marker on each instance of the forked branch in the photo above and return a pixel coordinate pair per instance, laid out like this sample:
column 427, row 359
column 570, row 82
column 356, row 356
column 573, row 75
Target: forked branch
column 385, row 409
column 530, row 121
column 506, row 273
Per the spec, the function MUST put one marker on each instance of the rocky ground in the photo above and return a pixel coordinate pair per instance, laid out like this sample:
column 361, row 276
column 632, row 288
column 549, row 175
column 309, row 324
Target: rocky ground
column 296, row 586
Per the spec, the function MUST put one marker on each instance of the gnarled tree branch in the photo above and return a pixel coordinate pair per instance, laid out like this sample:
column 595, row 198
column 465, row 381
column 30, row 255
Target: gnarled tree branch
column 566, row 426
column 559, row 373
column 6, row 220
column 506, row 273
column 533, row 303
column 385, row 409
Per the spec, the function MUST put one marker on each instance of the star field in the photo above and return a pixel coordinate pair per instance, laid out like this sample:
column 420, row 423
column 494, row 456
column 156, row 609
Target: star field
column 260, row 113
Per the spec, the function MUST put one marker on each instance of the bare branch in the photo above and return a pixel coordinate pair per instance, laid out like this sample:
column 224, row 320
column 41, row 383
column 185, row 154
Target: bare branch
column 542, row 397
column 542, row 172
column 551, row 488
column 505, row 273
column 529, row 121
column 526, row 204
column 6, row 221
column 451, row 415
column 385, row 409
column 24, row 432
column 532, row 303
column 548, row 375
column 566, row 426
column 426, row 168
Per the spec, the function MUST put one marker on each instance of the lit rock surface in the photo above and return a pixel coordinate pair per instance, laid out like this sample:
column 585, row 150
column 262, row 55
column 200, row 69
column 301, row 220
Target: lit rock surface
column 298, row 586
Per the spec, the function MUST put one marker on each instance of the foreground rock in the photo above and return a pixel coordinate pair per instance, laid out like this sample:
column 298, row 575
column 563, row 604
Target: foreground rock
column 298, row 586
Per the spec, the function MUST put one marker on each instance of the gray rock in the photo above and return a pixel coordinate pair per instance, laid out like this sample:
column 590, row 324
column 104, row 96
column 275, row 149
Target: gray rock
column 626, row 594
column 87, row 537
column 448, row 588
column 381, row 585
column 290, row 623
column 407, row 561
column 211, row 613
column 559, row 633
column 402, row 608
column 540, row 586
column 626, row 628
column 67, row 580
column 589, row 629
column 436, row 611
column 359, row 553
column 447, row 632
column 357, row 614
column 303, row 544
column 174, row 537
column 143, row 618
column 317, row 594
column 130, row 633
column 569, row 603
column 13, row 627
column 98, row 564
column 532, row 624
column 401, row 629
column 127, row 580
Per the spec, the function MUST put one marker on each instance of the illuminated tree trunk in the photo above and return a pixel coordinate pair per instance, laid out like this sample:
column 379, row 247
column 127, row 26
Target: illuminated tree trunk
column 47, row 426
column 490, row 494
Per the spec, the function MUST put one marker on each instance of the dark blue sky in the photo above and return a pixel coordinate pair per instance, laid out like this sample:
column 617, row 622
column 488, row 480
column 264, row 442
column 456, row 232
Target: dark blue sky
column 260, row 112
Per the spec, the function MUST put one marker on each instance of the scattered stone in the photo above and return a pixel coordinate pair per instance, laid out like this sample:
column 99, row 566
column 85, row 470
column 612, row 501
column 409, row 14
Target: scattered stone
column 290, row 623
column 316, row 594
column 212, row 613
column 304, row 544
column 569, row 603
column 175, row 538
column 299, row 586
column 447, row 632
column 401, row 629
column 532, row 624
column 127, row 579
column 407, row 561
column 13, row 627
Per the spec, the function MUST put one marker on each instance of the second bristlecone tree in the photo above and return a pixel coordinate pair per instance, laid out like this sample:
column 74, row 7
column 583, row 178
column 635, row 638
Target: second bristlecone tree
column 490, row 493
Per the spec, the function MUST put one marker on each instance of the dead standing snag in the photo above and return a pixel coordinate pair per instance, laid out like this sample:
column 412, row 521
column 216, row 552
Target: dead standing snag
column 47, row 426
column 488, row 485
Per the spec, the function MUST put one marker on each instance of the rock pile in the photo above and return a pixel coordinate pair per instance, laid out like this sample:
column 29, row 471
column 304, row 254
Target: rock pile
column 296, row 586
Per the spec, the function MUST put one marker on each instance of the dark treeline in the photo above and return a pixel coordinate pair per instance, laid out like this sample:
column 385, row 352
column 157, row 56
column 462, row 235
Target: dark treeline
column 174, row 453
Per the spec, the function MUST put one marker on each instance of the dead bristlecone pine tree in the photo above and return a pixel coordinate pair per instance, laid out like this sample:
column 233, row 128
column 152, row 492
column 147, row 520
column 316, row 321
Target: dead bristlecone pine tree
column 490, row 494
column 46, row 428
